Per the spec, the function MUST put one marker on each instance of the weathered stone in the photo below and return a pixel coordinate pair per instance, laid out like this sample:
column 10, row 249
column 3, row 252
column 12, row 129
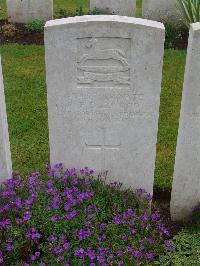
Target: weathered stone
column 23, row 11
column 186, row 184
column 104, row 81
column 5, row 156
column 116, row 7
column 161, row 10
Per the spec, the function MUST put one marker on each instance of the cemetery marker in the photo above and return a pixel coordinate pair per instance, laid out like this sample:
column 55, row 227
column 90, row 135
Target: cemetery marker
column 186, row 183
column 5, row 156
column 103, row 84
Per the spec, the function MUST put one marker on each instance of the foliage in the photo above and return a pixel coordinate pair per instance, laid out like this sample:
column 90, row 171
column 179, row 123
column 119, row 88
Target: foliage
column 35, row 25
column 190, row 11
column 8, row 30
column 172, row 33
column 70, row 218
column 186, row 249
column 63, row 13
column 99, row 11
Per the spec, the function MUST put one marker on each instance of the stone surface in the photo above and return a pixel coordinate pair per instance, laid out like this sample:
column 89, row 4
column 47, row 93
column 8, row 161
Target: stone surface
column 23, row 11
column 161, row 10
column 104, row 81
column 116, row 7
column 5, row 156
column 186, row 184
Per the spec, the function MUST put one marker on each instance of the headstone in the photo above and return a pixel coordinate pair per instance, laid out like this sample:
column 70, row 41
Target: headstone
column 186, row 184
column 5, row 156
column 115, row 7
column 161, row 10
column 22, row 11
column 104, row 81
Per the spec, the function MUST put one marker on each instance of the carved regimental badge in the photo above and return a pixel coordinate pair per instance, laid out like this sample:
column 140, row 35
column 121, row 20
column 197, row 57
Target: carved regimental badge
column 103, row 62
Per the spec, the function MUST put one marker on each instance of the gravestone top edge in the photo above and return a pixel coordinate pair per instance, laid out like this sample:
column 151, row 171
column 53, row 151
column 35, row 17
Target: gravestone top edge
column 195, row 26
column 104, row 18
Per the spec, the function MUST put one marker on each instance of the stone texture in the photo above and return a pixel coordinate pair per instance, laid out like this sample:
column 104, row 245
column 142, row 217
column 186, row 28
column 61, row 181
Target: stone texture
column 103, row 82
column 117, row 7
column 161, row 10
column 22, row 11
column 5, row 156
column 186, row 184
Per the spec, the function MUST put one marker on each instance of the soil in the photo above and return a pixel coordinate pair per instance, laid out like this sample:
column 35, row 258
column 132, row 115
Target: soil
column 19, row 34
column 23, row 36
column 182, row 41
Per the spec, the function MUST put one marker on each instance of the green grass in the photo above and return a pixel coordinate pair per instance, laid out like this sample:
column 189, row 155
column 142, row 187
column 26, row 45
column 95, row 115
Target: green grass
column 25, row 89
column 173, row 72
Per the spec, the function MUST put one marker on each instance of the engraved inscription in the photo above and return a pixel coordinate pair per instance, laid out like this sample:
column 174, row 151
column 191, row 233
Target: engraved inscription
column 102, row 105
column 103, row 147
column 103, row 62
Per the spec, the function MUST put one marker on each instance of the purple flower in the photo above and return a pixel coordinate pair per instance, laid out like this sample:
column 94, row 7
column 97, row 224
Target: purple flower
column 155, row 216
column 90, row 216
column 28, row 203
column 66, row 206
column 119, row 253
column 58, row 250
column 19, row 221
column 49, row 184
column 52, row 238
column 170, row 249
column 103, row 226
column 129, row 249
column 150, row 240
column 137, row 254
column 9, row 247
column 5, row 224
column 54, row 218
column 18, row 203
column 91, row 255
column 116, row 220
column 66, row 246
column 167, row 243
column 150, row 256
column 79, row 253
column 27, row 216
column 71, row 214
column 142, row 247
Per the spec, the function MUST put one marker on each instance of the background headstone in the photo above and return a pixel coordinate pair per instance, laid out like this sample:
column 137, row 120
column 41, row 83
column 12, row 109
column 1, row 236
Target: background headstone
column 115, row 7
column 5, row 156
column 104, row 82
column 186, row 184
column 161, row 10
column 23, row 11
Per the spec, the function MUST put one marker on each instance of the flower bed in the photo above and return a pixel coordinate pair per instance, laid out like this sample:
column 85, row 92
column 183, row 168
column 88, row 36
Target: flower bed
column 70, row 218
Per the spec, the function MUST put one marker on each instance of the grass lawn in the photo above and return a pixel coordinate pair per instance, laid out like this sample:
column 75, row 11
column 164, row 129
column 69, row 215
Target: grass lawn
column 70, row 5
column 24, row 78
column 27, row 111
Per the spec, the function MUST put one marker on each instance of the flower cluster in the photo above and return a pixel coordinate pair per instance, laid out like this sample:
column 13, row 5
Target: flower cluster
column 70, row 218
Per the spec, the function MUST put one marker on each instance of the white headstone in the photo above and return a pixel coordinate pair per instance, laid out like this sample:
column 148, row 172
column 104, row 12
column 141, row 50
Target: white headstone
column 104, row 81
column 23, row 11
column 115, row 7
column 186, row 184
column 161, row 10
column 5, row 156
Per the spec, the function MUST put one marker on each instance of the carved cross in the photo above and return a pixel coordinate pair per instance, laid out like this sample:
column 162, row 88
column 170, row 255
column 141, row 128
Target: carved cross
column 103, row 147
